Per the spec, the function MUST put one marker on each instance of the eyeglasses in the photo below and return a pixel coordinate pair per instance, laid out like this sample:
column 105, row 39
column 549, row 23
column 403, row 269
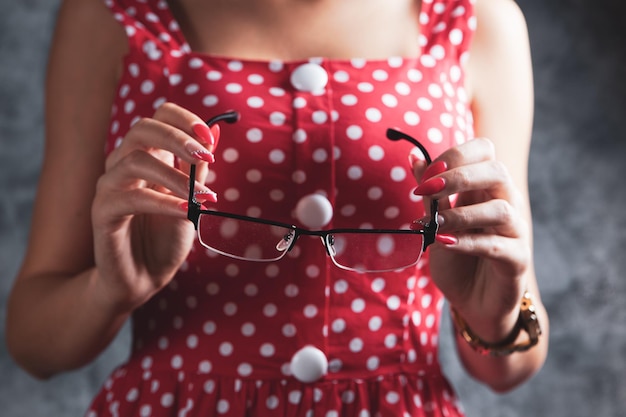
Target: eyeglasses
column 261, row 240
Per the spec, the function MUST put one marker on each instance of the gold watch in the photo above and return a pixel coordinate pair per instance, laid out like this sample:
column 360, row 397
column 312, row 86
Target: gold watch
column 527, row 321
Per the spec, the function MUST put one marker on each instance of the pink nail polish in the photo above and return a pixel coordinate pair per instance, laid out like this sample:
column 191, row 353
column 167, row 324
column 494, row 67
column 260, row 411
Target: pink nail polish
column 215, row 131
column 204, row 133
column 430, row 187
column 204, row 196
column 446, row 239
column 203, row 155
column 433, row 169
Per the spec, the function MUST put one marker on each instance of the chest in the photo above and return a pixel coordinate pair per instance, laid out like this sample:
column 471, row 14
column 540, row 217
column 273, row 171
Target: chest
column 297, row 29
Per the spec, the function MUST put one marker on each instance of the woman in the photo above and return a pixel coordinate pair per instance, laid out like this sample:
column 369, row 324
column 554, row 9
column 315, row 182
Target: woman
column 214, row 334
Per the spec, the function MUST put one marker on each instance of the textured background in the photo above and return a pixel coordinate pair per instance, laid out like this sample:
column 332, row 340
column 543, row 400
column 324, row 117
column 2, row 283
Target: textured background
column 578, row 167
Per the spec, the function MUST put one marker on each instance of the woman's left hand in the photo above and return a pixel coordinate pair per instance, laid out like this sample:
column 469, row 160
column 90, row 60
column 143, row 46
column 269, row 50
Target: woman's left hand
column 483, row 252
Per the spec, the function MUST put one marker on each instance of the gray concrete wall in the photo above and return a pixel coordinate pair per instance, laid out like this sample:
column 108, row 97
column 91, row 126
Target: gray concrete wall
column 578, row 169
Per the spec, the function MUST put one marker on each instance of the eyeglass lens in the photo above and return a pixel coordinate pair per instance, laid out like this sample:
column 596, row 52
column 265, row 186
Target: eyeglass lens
column 253, row 241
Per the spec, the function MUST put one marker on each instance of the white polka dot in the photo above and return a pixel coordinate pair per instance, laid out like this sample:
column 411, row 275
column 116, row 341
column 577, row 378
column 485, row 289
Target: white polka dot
column 167, row 400
column 267, row 350
column 299, row 103
column 278, row 118
column 244, row 369
column 255, row 79
column 435, row 135
column 378, row 285
column 223, row 406
column 358, row 305
column 230, row 309
column 411, row 118
column 320, row 155
column 255, row 102
column 373, row 115
column 355, row 173
column 147, row 87
column 226, row 349
column 456, row 36
column 375, row 323
column 289, row 330
column 319, row 117
column 248, row 329
column 372, row 363
column 424, row 104
column 233, row 88
column 390, row 100
column 132, row 395
column 277, row 156
column 349, row 100
column 376, row 153
column 341, row 286
column 341, row 76
column 380, row 75
column 192, row 341
column 365, row 87
column 210, row 100
column 391, row 340
column 338, row 325
column 205, row 367
column 177, row 362
column 398, row 174
column 356, row 345
column 299, row 136
column 393, row 302
column 310, row 311
column 354, row 132
column 272, row 402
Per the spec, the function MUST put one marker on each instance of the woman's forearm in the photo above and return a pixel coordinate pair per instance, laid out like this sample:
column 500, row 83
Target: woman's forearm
column 57, row 323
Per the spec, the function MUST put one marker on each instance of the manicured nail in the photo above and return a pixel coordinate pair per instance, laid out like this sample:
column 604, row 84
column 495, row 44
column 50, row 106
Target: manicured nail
column 430, row 187
column 446, row 239
column 433, row 169
column 185, row 206
column 204, row 133
column 203, row 155
column 413, row 158
column 419, row 224
column 204, row 196
column 215, row 131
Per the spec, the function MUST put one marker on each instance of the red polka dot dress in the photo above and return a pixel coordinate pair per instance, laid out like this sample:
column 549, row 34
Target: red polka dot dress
column 224, row 337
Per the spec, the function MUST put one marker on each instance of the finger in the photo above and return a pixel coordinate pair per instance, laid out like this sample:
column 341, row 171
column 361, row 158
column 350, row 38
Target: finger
column 471, row 152
column 510, row 253
column 490, row 176
column 140, row 168
column 497, row 214
column 172, row 129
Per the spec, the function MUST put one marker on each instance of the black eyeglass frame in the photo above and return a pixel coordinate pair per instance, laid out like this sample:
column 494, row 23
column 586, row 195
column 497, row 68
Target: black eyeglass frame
column 429, row 230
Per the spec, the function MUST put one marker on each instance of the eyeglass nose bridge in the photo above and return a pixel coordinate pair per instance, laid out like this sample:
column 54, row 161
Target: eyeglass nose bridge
column 328, row 240
column 288, row 241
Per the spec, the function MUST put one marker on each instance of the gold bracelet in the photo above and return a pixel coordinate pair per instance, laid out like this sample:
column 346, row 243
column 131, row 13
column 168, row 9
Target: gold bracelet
column 527, row 321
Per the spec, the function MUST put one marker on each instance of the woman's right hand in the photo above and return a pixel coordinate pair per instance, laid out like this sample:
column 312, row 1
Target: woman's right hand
column 141, row 232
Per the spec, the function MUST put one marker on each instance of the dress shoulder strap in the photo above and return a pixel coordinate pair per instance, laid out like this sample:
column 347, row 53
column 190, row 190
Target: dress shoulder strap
column 150, row 25
column 447, row 28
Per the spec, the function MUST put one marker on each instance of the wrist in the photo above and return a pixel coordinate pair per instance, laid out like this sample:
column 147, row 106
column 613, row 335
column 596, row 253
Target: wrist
column 526, row 322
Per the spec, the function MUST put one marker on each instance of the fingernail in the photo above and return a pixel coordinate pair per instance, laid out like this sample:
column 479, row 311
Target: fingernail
column 185, row 206
column 413, row 158
column 421, row 223
column 430, row 187
column 215, row 131
column 203, row 155
column 446, row 239
column 204, row 196
column 204, row 133
column 433, row 169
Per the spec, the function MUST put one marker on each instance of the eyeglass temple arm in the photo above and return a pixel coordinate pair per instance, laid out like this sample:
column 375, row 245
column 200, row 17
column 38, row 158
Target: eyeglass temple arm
column 433, row 225
column 193, row 210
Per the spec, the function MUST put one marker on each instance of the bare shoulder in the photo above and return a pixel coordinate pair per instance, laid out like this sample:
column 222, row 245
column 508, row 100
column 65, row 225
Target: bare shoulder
column 500, row 43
